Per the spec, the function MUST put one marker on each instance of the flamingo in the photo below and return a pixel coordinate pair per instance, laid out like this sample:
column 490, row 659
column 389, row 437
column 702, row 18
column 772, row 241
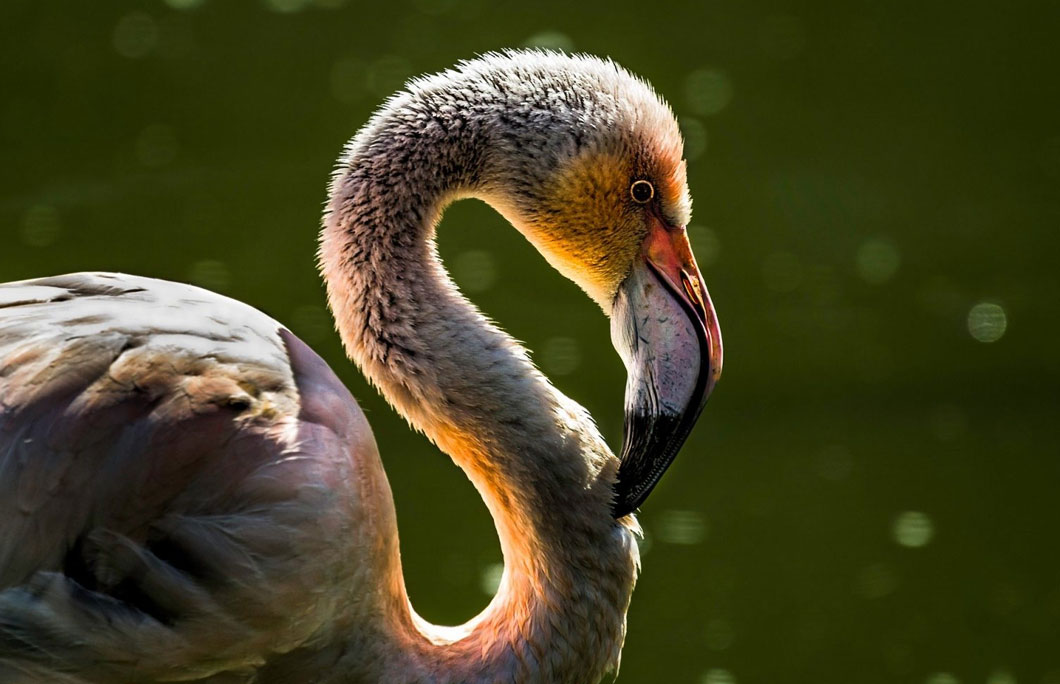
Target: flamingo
column 189, row 493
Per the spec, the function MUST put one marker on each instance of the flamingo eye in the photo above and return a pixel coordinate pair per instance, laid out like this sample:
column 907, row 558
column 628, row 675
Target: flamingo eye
column 642, row 191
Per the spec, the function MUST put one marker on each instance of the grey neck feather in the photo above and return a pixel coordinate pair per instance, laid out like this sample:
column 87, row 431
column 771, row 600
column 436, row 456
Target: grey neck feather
column 534, row 455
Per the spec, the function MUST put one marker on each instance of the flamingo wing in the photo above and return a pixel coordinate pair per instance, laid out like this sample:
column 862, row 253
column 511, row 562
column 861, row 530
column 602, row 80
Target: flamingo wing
column 182, row 484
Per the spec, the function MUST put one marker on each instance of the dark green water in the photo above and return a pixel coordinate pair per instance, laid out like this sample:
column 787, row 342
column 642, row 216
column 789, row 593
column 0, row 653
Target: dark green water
column 872, row 493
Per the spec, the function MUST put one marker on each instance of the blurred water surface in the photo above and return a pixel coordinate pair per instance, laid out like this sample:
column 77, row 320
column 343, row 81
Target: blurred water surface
column 872, row 493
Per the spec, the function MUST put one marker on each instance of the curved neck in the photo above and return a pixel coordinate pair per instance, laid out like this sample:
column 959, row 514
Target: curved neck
column 534, row 455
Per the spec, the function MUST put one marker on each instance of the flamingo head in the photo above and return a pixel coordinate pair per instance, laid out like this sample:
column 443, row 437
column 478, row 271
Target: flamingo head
column 594, row 176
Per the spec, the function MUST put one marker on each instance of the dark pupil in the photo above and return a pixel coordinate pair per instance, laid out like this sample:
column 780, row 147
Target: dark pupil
column 641, row 191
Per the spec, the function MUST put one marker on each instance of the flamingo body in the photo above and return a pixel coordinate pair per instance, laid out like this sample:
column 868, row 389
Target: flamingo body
column 158, row 441
column 188, row 493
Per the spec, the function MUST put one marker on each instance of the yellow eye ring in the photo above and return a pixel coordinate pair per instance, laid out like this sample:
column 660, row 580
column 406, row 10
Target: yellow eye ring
column 642, row 191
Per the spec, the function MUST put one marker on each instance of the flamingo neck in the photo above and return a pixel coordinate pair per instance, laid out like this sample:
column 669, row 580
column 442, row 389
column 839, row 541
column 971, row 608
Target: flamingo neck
column 534, row 455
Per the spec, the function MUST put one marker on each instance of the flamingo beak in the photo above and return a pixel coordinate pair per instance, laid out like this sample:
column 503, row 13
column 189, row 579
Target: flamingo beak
column 665, row 329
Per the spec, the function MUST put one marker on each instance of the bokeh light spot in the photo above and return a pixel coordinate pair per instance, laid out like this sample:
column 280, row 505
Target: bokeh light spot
column 550, row 40
column 41, row 226
column 286, row 6
column 708, row 91
column 941, row 678
column 987, row 322
column 561, row 355
column 913, row 529
column 1001, row 677
column 877, row 261
column 475, row 270
column 184, row 4
column 717, row 676
column 135, row 35
column 681, row 527
column 210, row 274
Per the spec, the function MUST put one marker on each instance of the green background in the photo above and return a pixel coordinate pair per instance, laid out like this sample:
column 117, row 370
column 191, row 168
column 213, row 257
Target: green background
column 871, row 495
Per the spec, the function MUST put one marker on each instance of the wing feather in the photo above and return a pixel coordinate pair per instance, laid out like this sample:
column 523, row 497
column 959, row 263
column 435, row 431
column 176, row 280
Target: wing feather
column 178, row 499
